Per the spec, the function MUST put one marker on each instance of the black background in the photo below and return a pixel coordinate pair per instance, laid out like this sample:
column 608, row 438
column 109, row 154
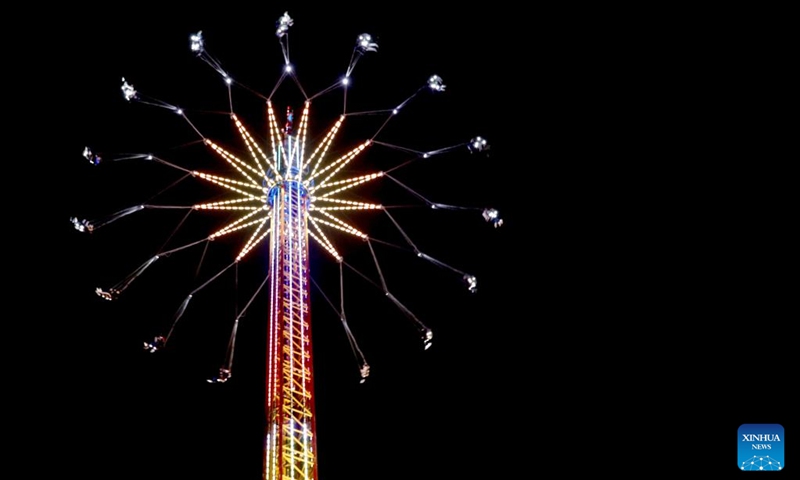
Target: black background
column 638, row 295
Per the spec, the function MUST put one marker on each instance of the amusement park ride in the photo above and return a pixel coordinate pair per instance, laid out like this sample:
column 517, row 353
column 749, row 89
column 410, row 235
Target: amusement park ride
column 286, row 192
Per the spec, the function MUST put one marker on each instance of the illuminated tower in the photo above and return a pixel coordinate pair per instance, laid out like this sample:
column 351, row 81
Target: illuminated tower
column 285, row 197
column 289, row 442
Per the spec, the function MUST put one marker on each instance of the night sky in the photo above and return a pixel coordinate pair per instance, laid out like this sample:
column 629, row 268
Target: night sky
column 155, row 413
column 495, row 394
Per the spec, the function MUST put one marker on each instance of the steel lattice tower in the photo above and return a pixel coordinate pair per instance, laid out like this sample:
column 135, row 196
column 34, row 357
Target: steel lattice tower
column 289, row 443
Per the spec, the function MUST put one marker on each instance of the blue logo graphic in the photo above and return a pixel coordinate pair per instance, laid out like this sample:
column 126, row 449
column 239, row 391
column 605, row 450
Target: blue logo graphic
column 761, row 447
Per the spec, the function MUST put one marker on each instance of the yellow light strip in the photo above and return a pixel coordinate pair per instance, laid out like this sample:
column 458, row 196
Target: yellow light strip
column 326, row 244
column 324, row 145
column 347, row 202
column 253, row 241
column 233, row 160
column 223, row 182
column 352, row 183
column 212, row 205
column 274, row 135
column 235, row 225
column 341, row 162
column 351, row 207
column 251, row 143
column 273, row 130
column 340, row 225
column 303, row 132
column 345, row 181
column 230, row 207
column 230, row 181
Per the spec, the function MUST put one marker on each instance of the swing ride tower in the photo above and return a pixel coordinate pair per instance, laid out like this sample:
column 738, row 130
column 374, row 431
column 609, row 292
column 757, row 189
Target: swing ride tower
column 289, row 440
column 289, row 196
